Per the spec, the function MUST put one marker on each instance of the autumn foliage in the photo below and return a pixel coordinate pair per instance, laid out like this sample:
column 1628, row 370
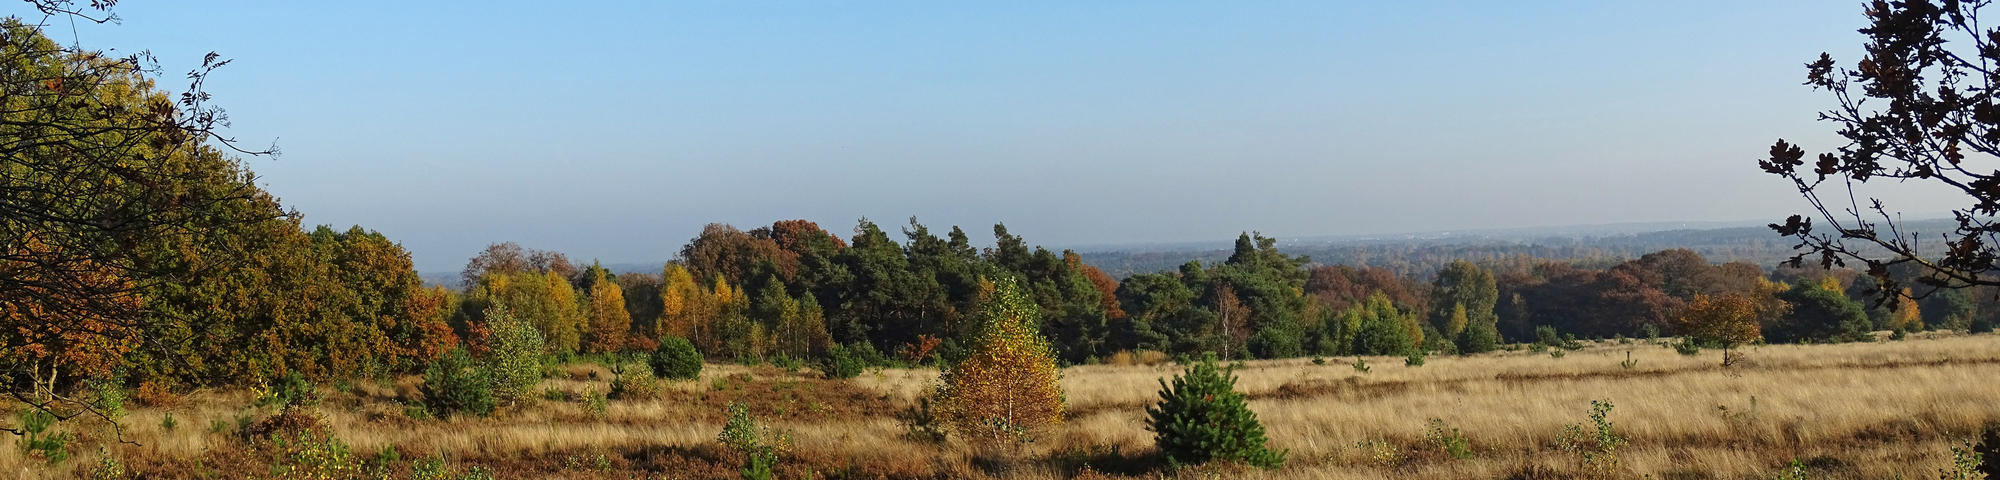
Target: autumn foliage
column 1730, row 320
column 1006, row 389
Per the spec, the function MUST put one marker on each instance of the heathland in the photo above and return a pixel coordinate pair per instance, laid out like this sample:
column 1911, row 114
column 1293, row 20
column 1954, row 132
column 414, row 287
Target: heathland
column 1885, row 409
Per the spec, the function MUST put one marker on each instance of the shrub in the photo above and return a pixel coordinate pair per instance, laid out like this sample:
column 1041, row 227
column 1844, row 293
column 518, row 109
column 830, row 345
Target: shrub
column 920, row 423
column 1687, row 346
column 1447, row 439
column 1966, row 463
column 307, row 454
column 1414, row 359
column 1360, row 365
column 291, row 390
column 110, row 400
column 1546, row 337
column 1478, row 338
column 36, row 438
column 760, row 448
column 1596, row 446
column 594, row 404
column 634, row 383
column 842, row 362
column 454, row 385
column 1201, row 417
column 108, row 467
column 676, row 359
column 152, row 394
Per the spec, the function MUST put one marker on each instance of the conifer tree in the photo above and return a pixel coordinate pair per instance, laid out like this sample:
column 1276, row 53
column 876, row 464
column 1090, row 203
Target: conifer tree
column 1201, row 417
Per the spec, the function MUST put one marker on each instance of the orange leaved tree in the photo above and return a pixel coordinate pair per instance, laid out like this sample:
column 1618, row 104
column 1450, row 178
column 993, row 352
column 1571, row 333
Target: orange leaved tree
column 1006, row 387
column 1730, row 320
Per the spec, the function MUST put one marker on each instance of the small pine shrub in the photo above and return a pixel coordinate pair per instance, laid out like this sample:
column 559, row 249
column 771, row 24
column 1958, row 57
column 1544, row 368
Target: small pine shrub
column 1318, row 360
column 453, row 385
column 37, row 440
column 1629, row 363
column 1201, row 418
column 1557, row 354
column 676, row 359
column 1360, row 365
column 1447, row 439
column 1687, row 346
column 922, row 424
column 1414, row 359
column 1479, row 338
column 167, row 422
column 843, row 362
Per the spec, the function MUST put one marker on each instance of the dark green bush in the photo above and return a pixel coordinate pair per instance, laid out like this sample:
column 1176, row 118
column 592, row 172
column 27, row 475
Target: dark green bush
column 841, row 362
column 289, row 391
column 1687, row 346
column 676, row 359
column 454, row 385
column 1201, row 417
column 36, row 438
column 1478, row 338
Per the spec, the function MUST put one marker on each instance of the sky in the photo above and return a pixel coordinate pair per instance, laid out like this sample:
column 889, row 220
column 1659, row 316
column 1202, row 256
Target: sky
column 616, row 130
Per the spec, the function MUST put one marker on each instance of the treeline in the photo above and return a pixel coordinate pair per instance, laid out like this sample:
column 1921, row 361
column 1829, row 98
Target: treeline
column 1420, row 257
column 275, row 300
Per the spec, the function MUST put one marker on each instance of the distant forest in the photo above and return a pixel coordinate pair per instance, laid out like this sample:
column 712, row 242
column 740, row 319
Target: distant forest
column 1420, row 255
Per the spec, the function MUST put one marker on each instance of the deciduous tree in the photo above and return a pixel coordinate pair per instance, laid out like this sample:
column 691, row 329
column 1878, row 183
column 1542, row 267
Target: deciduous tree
column 1006, row 389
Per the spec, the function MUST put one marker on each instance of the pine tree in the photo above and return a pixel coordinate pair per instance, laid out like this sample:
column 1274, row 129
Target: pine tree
column 1201, row 417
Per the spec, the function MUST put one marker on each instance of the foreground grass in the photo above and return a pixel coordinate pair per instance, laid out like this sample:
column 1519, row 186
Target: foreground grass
column 1872, row 410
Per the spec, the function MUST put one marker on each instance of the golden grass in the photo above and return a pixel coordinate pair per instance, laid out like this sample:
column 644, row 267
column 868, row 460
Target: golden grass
column 1873, row 410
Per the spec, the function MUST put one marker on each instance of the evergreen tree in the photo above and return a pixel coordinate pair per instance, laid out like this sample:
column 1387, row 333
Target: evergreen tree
column 1201, row 418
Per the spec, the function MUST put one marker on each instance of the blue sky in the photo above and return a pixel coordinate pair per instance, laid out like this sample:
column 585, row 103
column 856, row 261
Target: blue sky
column 615, row 131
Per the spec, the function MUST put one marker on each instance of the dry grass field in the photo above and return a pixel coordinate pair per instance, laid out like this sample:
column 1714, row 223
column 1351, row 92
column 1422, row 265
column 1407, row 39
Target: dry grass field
column 1874, row 410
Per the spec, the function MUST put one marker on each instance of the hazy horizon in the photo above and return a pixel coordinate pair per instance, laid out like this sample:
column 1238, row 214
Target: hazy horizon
column 616, row 132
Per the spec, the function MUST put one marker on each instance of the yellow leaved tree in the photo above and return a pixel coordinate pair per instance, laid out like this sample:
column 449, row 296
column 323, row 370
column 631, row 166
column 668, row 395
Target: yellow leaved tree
column 1005, row 390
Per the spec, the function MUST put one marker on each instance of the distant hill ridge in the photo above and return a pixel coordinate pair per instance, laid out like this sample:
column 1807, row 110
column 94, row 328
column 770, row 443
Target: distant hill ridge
column 1421, row 254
